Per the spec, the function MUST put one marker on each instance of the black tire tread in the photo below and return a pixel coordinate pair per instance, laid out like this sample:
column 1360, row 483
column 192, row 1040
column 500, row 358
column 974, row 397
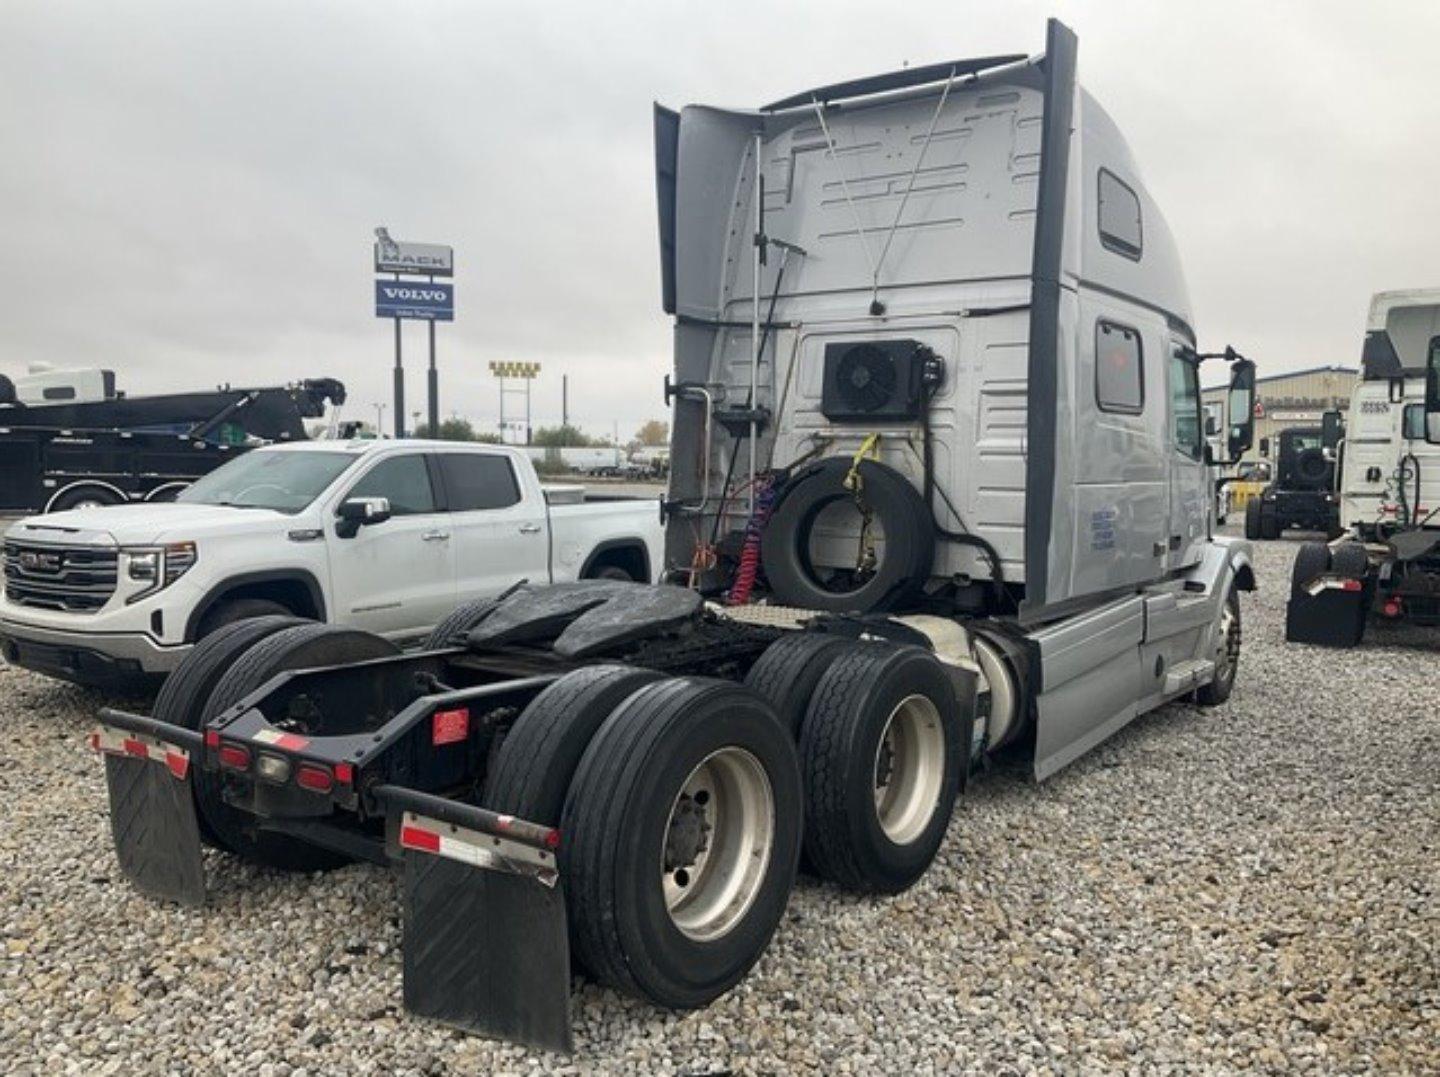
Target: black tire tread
column 1311, row 560
column 787, row 672
column 450, row 631
column 829, row 738
column 526, row 761
column 1252, row 519
column 1350, row 559
column 1212, row 694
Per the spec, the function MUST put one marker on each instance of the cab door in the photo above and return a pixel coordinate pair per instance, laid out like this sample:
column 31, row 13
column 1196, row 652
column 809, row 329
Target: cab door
column 395, row 578
column 1191, row 493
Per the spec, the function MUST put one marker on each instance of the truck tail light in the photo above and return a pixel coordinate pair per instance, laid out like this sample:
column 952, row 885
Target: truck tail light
column 345, row 773
column 450, row 727
column 315, row 778
column 234, row 757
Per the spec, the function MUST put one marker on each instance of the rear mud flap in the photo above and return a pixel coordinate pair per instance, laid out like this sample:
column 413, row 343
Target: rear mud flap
column 157, row 837
column 486, row 943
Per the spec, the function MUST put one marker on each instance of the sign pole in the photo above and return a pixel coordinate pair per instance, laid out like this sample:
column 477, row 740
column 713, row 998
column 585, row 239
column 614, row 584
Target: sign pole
column 527, row 410
column 434, row 388
column 399, row 385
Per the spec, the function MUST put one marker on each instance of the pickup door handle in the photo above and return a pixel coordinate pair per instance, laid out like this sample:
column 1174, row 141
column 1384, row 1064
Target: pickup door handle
column 529, row 529
column 435, row 536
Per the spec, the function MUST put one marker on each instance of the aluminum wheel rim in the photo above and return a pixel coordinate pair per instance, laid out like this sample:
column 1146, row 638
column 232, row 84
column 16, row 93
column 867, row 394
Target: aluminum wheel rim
column 1227, row 645
column 909, row 769
column 709, row 889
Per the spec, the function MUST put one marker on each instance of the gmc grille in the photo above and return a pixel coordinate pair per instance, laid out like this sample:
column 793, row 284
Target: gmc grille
column 77, row 579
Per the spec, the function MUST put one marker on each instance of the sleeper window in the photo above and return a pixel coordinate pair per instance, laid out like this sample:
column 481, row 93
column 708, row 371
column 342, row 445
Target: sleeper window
column 1119, row 369
column 1120, row 226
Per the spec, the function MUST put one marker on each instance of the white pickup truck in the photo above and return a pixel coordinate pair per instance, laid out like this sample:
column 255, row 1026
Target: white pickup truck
column 388, row 536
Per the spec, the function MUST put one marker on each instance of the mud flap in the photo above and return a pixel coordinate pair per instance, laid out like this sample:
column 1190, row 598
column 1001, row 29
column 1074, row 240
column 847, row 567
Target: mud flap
column 152, row 816
column 486, row 943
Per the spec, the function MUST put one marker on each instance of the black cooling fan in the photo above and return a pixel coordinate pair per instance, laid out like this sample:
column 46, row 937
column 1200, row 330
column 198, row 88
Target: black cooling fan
column 874, row 379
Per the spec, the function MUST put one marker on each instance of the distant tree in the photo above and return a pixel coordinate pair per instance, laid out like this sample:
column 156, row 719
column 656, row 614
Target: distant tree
column 456, row 429
column 561, row 437
column 654, row 433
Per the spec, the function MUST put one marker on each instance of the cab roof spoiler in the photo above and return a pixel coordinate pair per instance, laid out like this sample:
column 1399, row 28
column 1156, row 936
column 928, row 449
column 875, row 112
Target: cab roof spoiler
column 894, row 80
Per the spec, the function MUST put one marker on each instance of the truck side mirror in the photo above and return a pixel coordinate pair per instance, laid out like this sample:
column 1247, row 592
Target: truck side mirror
column 1212, row 426
column 1332, row 429
column 358, row 512
column 1240, row 407
column 1432, row 396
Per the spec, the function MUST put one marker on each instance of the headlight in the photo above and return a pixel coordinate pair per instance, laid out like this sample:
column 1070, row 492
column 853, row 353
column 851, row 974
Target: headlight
column 159, row 566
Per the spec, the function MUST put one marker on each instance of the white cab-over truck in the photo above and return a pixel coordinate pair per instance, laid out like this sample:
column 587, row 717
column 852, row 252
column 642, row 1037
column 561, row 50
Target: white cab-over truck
column 385, row 536
column 1386, row 561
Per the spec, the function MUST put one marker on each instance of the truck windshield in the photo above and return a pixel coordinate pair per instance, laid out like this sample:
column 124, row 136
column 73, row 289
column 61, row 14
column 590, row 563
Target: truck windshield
column 283, row 481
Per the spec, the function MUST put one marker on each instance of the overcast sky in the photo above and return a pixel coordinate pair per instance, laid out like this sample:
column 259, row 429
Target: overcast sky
column 189, row 190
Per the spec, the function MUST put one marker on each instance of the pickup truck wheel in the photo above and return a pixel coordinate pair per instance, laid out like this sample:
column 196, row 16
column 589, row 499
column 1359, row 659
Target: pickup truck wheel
column 452, row 630
column 298, row 647
column 611, row 572
column 679, row 840
column 1252, row 519
column 530, row 773
column 882, row 752
column 789, row 669
column 1227, row 653
column 185, row 692
column 228, row 611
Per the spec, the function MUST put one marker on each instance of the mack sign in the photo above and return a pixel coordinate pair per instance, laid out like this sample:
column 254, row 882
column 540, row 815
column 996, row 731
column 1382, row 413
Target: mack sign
column 427, row 301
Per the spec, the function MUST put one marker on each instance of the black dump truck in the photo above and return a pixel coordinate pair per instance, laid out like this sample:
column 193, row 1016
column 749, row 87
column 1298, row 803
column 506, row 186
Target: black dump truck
column 1303, row 492
column 78, row 441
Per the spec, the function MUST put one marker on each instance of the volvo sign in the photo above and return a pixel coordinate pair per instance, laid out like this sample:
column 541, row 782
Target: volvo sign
column 424, row 300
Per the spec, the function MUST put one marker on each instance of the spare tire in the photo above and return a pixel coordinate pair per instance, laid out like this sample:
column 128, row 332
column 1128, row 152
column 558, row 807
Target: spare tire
column 1311, row 467
column 893, row 502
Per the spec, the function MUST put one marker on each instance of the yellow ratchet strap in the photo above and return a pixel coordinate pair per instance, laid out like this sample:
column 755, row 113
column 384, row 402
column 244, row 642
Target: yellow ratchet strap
column 869, row 447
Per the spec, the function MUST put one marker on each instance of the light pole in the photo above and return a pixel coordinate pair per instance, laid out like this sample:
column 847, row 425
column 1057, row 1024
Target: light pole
column 527, row 373
column 379, row 420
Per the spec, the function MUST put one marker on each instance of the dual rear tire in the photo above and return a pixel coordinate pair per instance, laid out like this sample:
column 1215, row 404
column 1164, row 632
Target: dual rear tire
column 682, row 801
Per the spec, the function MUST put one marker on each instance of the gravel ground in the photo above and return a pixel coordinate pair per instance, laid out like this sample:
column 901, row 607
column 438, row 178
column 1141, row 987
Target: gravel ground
column 1249, row 888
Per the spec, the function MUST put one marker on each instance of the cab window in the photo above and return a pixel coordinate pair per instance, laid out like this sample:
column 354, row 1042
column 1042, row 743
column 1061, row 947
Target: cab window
column 1185, row 427
column 478, row 481
column 1121, row 229
column 1415, row 420
column 404, row 480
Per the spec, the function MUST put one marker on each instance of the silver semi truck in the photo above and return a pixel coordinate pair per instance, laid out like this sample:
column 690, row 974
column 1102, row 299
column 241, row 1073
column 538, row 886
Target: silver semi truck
column 939, row 492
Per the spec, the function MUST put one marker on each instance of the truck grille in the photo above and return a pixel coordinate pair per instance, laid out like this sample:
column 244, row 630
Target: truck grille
column 73, row 578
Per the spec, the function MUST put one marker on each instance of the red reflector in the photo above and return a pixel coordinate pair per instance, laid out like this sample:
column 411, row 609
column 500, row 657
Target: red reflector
column 450, row 727
column 1392, row 608
column 552, row 838
column 345, row 773
column 412, row 837
column 316, row 779
column 134, row 747
column 234, row 757
column 212, row 738
column 179, row 765
column 94, row 739
column 1352, row 585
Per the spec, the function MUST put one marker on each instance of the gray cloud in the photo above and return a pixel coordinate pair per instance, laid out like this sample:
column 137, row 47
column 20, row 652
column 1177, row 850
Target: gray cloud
column 189, row 188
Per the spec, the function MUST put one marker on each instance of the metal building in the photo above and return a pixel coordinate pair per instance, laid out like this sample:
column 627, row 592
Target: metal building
column 1295, row 398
